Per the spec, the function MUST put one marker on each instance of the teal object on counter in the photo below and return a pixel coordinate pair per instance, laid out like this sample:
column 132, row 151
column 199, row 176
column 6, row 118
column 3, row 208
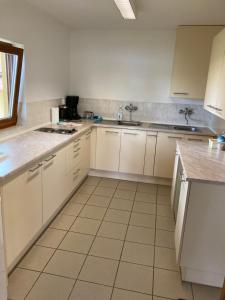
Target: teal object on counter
column 221, row 138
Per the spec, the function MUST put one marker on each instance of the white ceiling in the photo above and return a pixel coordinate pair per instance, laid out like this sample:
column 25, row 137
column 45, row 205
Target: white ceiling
column 157, row 14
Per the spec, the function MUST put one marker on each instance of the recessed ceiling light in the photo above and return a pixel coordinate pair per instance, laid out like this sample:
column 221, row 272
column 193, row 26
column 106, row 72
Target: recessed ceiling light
column 127, row 8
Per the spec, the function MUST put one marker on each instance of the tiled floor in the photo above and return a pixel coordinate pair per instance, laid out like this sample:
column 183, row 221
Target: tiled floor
column 112, row 241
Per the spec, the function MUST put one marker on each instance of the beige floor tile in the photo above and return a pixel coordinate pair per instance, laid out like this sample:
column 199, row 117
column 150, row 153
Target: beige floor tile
column 119, row 294
column 72, row 209
column 164, row 190
column 86, row 189
column 99, row 201
column 99, row 270
column 145, row 197
column 104, row 191
column 127, row 185
column 164, row 200
column 85, row 225
column 117, row 216
column 138, row 253
column 168, row 284
column 92, row 180
column 159, row 298
column 134, row 277
column 80, row 198
column 51, row 238
column 109, row 182
column 125, row 194
column 202, row 292
column 90, row 291
column 144, row 220
column 51, row 287
column 107, row 248
column 165, row 259
column 143, row 207
column 63, row 222
column 121, row 204
column 165, row 223
column 140, row 235
column 93, row 212
column 77, row 242
column 164, row 238
column 112, row 230
column 64, row 263
column 37, row 258
column 20, row 282
column 164, row 211
column 147, row 188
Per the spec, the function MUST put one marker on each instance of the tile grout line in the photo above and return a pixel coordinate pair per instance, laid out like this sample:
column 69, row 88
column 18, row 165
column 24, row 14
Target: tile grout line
column 90, row 246
column 124, row 241
column 153, row 274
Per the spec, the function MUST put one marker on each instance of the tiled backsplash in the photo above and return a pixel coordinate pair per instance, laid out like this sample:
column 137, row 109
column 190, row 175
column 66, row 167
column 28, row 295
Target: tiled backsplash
column 153, row 112
column 37, row 113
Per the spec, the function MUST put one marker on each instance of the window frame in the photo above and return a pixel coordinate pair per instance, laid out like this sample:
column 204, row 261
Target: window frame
column 11, row 49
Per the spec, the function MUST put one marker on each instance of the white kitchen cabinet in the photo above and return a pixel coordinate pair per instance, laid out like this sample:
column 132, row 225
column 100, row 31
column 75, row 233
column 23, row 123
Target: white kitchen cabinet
column 191, row 60
column 85, row 154
column 132, row 152
column 150, row 153
column 108, row 149
column 22, row 212
column 54, row 183
column 165, row 154
column 215, row 90
column 199, row 232
column 93, row 148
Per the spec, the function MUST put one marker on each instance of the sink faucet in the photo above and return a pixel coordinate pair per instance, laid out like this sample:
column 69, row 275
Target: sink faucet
column 131, row 108
column 187, row 112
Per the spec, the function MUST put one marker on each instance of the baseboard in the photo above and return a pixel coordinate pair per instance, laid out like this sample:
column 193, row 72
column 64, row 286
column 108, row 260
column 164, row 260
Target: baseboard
column 130, row 177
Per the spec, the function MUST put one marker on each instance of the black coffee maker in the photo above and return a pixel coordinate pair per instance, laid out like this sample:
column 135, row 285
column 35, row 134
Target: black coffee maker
column 68, row 112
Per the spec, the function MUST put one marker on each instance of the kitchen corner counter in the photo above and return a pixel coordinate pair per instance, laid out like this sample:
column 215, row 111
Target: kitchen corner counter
column 28, row 148
column 200, row 163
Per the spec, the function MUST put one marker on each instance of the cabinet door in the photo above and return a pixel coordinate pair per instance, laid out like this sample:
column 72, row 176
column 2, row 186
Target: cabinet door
column 191, row 60
column 108, row 149
column 85, row 153
column 181, row 216
column 214, row 98
column 165, row 154
column 132, row 153
column 93, row 148
column 54, row 183
column 150, row 154
column 22, row 212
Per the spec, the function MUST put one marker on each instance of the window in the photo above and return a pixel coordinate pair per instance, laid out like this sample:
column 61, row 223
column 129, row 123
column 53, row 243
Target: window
column 11, row 59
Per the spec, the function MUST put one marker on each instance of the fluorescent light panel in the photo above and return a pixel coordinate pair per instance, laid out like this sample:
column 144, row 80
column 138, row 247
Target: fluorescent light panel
column 126, row 8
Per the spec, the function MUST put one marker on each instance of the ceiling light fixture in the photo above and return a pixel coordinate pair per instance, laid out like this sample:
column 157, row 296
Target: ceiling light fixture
column 126, row 8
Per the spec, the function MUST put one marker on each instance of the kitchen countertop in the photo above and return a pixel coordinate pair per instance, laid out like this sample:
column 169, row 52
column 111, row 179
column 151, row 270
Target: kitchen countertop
column 200, row 163
column 26, row 149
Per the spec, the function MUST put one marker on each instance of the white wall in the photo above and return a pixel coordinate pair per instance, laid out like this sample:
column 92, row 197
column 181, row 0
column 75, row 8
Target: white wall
column 122, row 65
column 47, row 48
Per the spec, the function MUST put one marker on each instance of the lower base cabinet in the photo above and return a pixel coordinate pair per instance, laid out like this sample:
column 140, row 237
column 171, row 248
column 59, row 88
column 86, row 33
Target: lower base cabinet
column 22, row 212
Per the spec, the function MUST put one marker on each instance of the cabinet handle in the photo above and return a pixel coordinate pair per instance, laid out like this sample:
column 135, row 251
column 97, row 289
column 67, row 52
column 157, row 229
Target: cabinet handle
column 74, row 178
column 75, row 156
column 75, row 151
column 76, row 145
column 179, row 93
column 88, row 133
column 174, row 137
column 195, row 140
column 50, row 157
column 216, row 108
column 35, row 168
column 130, row 133
column 113, row 132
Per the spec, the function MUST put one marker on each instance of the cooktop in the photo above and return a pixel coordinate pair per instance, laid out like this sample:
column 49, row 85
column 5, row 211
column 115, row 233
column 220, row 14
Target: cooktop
column 57, row 130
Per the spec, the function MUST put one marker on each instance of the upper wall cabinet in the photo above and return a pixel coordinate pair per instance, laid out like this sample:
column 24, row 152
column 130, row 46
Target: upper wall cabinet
column 191, row 60
column 215, row 90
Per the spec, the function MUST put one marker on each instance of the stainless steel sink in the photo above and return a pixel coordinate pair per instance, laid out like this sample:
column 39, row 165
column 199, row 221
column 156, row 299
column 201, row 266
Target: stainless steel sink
column 174, row 127
column 186, row 128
